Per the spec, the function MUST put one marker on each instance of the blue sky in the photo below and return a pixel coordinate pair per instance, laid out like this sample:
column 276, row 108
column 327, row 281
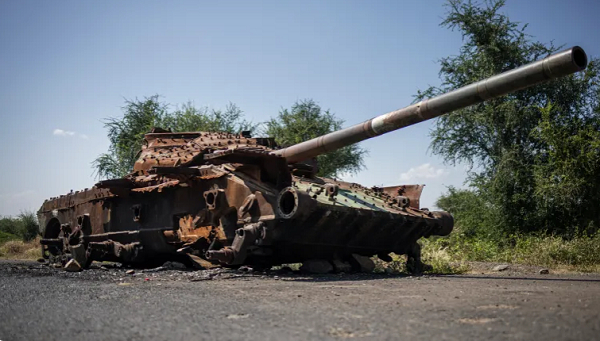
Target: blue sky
column 66, row 65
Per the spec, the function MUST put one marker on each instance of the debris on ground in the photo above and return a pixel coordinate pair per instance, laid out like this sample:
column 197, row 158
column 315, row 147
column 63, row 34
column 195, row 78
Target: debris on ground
column 174, row 266
column 245, row 268
column 501, row 267
column 72, row 266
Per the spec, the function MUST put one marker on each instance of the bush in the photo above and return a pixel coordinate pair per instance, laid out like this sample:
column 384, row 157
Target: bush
column 30, row 226
column 24, row 226
column 5, row 237
column 579, row 253
column 11, row 225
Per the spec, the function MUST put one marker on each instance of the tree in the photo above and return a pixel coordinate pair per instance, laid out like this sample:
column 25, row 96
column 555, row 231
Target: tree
column 126, row 133
column 520, row 159
column 25, row 226
column 305, row 120
column 566, row 172
column 191, row 118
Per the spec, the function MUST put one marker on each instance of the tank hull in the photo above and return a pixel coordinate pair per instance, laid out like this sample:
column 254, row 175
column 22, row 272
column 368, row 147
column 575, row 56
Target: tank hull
column 202, row 215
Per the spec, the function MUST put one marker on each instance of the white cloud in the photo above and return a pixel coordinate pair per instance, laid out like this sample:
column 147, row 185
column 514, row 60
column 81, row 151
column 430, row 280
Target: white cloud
column 61, row 132
column 424, row 171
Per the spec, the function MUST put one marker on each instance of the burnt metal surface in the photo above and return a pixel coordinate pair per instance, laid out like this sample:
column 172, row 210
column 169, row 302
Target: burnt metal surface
column 229, row 199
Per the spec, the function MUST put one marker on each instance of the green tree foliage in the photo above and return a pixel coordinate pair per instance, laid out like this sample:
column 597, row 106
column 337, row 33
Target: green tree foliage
column 191, row 118
column 567, row 171
column 24, row 226
column 533, row 154
column 11, row 226
column 126, row 133
column 305, row 120
column 467, row 207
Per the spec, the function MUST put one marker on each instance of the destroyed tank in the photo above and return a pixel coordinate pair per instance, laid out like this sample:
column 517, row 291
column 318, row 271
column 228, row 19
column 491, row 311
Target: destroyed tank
column 210, row 198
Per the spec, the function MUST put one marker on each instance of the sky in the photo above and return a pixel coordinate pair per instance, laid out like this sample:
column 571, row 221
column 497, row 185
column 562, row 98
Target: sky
column 67, row 65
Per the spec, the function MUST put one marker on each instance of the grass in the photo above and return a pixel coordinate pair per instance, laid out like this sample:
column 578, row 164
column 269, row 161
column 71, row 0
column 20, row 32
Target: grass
column 19, row 238
column 451, row 255
column 440, row 260
column 24, row 225
column 5, row 237
column 18, row 249
column 581, row 254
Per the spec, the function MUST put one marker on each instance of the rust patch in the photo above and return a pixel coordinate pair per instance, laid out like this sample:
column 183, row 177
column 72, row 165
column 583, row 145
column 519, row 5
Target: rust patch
column 191, row 231
column 158, row 187
column 412, row 192
column 168, row 149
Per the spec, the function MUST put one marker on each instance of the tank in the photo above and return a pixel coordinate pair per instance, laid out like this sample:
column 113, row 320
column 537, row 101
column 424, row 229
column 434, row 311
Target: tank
column 220, row 199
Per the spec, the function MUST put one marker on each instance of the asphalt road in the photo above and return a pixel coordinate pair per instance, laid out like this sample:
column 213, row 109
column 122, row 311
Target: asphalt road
column 41, row 303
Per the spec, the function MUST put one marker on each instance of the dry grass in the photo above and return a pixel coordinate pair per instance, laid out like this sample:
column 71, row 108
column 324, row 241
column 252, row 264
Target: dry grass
column 451, row 255
column 17, row 249
column 440, row 259
column 580, row 254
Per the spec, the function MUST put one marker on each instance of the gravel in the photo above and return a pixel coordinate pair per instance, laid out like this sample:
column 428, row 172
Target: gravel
column 40, row 302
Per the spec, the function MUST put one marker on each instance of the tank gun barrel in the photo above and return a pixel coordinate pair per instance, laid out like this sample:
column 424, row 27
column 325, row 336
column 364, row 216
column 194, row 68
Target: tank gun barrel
column 552, row 67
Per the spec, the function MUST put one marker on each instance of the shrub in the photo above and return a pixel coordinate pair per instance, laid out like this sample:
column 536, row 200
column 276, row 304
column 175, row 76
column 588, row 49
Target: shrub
column 580, row 253
column 24, row 226
column 30, row 226
column 12, row 226
column 5, row 237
